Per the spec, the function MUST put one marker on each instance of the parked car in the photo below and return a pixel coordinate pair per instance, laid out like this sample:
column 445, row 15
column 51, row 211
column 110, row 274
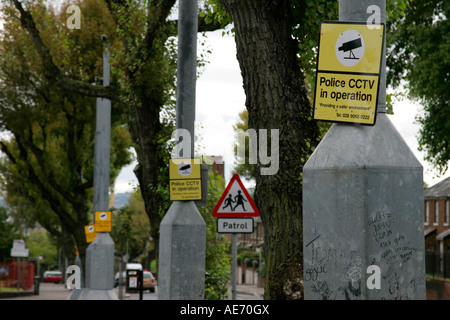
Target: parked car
column 116, row 279
column 129, row 266
column 149, row 281
column 53, row 276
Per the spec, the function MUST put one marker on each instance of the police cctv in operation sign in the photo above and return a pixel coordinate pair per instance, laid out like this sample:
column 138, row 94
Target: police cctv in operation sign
column 185, row 179
column 348, row 72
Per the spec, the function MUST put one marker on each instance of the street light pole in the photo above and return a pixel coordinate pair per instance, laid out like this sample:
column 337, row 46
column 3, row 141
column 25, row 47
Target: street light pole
column 181, row 272
column 100, row 253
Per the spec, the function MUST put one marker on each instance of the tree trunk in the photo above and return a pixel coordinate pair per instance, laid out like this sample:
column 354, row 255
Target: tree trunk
column 150, row 159
column 276, row 99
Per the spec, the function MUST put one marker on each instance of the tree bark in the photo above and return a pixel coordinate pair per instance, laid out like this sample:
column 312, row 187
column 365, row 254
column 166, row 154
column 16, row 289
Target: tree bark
column 150, row 160
column 276, row 99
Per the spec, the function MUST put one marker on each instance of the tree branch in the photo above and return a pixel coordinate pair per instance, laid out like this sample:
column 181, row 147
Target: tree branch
column 4, row 149
column 156, row 17
column 52, row 73
column 47, row 194
column 202, row 25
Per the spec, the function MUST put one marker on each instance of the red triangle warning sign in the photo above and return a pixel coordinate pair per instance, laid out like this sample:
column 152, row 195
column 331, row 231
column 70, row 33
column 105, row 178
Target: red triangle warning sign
column 235, row 201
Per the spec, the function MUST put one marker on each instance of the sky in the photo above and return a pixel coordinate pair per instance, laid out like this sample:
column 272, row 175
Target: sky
column 220, row 98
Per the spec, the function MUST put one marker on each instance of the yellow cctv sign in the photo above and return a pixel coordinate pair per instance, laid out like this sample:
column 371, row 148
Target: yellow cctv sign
column 90, row 233
column 185, row 179
column 348, row 72
column 102, row 221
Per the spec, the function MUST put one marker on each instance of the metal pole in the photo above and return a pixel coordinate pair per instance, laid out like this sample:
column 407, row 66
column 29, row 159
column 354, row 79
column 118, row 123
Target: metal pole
column 363, row 206
column 260, row 266
column 361, row 10
column 102, row 142
column 120, row 278
column 100, row 253
column 182, row 253
column 187, row 67
column 234, row 265
column 141, row 283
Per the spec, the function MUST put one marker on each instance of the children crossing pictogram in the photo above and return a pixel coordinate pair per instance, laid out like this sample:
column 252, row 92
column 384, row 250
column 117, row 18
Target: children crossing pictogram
column 235, row 201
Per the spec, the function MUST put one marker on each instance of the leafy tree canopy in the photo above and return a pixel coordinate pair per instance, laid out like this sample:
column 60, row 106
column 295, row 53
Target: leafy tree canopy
column 418, row 58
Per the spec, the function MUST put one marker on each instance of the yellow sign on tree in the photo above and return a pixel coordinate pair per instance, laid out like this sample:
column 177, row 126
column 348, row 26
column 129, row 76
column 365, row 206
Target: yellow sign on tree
column 348, row 72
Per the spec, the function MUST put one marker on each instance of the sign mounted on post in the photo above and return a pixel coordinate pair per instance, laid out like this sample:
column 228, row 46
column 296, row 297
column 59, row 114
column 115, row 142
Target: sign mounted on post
column 90, row 233
column 18, row 249
column 235, row 225
column 102, row 221
column 348, row 72
column 185, row 179
column 235, row 201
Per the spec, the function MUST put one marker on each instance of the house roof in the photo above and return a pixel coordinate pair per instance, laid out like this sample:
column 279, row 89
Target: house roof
column 439, row 190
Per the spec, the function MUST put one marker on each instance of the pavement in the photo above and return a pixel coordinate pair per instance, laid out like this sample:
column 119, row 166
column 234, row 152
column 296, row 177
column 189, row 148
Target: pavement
column 51, row 291
column 250, row 290
column 47, row 291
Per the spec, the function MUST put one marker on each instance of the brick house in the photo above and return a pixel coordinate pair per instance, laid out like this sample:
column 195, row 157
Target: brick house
column 437, row 216
column 437, row 225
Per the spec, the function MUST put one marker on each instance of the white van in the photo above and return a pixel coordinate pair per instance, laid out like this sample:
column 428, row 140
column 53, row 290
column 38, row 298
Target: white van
column 133, row 266
column 129, row 266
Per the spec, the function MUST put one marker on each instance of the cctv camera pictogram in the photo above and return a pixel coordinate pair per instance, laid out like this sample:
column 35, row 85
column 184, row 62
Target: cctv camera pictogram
column 349, row 48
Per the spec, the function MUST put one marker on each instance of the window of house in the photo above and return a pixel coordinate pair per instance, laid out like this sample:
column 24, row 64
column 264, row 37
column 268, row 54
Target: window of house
column 447, row 213
column 436, row 213
column 427, row 212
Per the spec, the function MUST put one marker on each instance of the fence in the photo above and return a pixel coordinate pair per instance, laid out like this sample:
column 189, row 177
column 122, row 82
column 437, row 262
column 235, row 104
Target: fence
column 16, row 276
column 437, row 265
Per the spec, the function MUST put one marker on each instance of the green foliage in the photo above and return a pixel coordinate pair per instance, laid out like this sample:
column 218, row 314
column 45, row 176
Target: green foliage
column 213, row 12
column 131, row 228
column 39, row 243
column 48, row 172
column 418, row 57
column 244, row 168
column 218, row 263
column 248, row 257
column 307, row 16
column 7, row 234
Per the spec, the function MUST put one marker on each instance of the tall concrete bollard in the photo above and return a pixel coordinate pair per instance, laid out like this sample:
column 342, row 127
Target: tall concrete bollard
column 363, row 208
column 182, row 253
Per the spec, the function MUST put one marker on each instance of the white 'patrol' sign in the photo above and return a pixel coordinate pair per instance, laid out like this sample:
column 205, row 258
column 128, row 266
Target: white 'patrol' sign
column 348, row 72
column 235, row 225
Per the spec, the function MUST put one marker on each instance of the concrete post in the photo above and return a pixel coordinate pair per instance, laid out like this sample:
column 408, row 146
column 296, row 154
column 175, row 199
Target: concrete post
column 182, row 253
column 100, row 253
column 181, row 272
column 363, row 207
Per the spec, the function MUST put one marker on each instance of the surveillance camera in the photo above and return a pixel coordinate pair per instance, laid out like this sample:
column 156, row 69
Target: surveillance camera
column 105, row 38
